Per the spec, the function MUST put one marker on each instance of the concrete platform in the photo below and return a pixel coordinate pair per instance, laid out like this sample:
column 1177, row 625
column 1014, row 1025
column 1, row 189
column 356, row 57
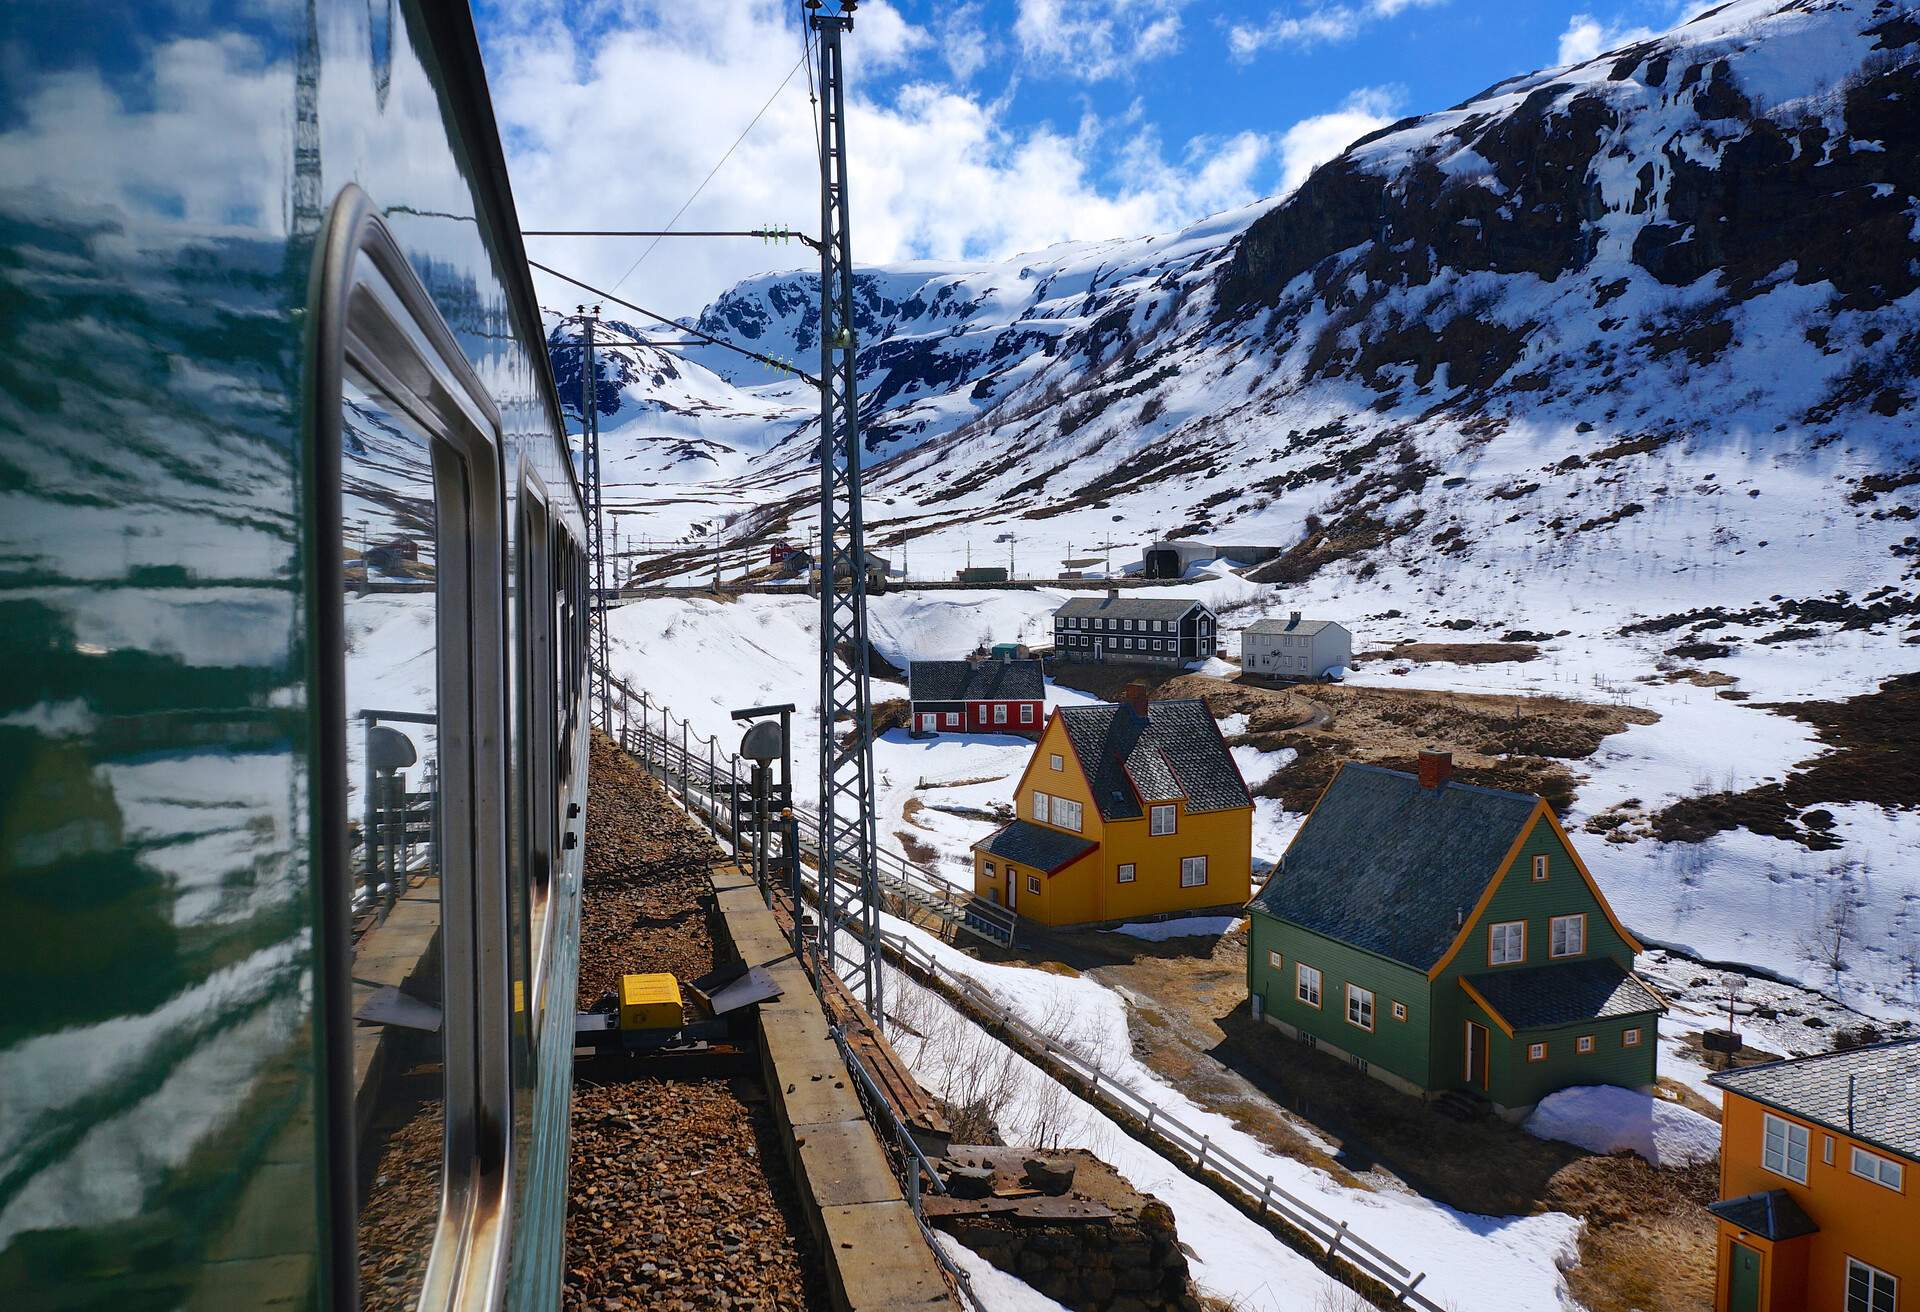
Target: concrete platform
column 876, row 1254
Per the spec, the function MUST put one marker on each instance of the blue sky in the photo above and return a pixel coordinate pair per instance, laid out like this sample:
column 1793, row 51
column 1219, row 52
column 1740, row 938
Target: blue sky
column 979, row 129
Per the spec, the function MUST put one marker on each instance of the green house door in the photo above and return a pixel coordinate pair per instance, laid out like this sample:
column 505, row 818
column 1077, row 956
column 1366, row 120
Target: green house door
column 1743, row 1279
column 1477, row 1056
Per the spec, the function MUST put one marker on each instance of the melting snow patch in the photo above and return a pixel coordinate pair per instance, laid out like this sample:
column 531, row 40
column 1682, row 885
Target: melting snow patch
column 1604, row 1118
column 1159, row 931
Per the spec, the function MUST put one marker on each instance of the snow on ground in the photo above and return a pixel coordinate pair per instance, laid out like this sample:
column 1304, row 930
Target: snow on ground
column 996, row 1290
column 1604, row 1118
column 1476, row 1262
column 1159, row 931
column 1231, row 1257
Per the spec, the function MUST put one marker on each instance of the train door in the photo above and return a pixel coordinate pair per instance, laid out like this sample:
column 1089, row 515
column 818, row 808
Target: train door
column 411, row 692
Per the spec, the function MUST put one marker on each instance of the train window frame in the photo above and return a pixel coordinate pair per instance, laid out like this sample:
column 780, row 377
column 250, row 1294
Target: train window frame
column 540, row 782
column 372, row 319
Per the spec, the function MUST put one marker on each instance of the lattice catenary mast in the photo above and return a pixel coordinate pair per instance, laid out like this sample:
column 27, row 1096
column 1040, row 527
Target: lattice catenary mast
column 849, row 887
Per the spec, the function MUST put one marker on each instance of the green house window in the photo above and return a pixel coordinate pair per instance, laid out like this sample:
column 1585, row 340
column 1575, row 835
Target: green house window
column 1567, row 936
column 1306, row 984
column 1507, row 943
column 1360, row 1007
column 1539, row 869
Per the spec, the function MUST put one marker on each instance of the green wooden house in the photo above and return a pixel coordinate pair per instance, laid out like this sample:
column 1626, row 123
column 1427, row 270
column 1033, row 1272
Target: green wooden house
column 1444, row 937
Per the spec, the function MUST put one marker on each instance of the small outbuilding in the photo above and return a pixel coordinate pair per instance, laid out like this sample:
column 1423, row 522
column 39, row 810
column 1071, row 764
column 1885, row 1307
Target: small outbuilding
column 1295, row 648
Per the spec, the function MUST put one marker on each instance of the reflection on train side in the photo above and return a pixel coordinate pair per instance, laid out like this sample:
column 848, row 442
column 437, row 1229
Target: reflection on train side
column 391, row 526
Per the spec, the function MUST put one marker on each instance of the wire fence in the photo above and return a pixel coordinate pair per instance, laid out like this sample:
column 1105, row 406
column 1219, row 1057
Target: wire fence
column 709, row 786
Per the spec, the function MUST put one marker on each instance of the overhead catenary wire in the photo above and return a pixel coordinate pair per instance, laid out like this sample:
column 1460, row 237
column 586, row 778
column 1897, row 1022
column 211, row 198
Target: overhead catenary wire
column 707, row 338
column 641, row 258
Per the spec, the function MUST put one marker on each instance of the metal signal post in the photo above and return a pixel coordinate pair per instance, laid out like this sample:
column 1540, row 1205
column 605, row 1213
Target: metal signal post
column 590, row 485
column 849, row 895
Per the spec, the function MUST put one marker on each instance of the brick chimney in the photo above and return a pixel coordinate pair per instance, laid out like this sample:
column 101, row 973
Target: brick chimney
column 1435, row 768
column 1134, row 696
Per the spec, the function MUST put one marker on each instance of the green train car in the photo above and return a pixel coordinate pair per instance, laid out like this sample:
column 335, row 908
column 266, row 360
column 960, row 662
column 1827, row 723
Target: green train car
column 292, row 725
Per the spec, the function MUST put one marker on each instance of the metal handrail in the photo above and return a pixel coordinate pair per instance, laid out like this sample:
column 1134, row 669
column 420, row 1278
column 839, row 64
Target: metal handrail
column 1337, row 1237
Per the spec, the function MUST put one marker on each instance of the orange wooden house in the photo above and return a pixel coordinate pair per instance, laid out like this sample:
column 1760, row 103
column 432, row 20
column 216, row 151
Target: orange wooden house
column 1124, row 811
column 1819, row 1205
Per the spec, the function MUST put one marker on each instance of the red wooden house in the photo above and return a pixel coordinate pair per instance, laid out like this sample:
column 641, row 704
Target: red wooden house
column 994, row 695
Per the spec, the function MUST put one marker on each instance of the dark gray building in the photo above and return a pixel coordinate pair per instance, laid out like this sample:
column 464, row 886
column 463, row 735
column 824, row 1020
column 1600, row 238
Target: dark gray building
column 1157, row 630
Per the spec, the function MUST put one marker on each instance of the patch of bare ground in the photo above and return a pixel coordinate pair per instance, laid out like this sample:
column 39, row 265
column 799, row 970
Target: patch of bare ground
column 1873, row 756
column 646, row 880
column 1701, row 678
column 1648, row 1243
column 679, row 1192
column 680, row 1197
column 1498, row 740
column 1454, row 653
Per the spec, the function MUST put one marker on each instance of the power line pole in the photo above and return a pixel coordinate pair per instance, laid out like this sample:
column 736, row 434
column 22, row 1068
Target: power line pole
column 847, row 822
column 591, row 486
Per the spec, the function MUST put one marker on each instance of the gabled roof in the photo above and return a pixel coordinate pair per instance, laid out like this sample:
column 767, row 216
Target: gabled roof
column 1773, row 1215
column 1175, row 753
column 1025, row 843
column 1298, row 628
column 1870, row 1093
column 1386, row 865
column 1540, row 997
column 960, row 681
column 1132, row 608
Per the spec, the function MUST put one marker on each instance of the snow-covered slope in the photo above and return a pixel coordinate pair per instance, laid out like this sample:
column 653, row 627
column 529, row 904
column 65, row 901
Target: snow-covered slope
column 1625, row 354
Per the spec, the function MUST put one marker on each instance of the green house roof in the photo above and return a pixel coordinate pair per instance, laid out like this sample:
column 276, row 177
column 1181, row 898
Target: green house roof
column 1386, row 865
column 1541, row 997
column 1870, row 1093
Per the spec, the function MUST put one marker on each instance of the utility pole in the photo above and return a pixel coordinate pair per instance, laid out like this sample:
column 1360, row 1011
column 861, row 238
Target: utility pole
column 1011, row 539
column 591, row 485
column 847, row 823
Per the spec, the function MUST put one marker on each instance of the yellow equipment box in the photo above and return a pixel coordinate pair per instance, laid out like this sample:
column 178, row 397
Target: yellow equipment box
column 650, row 1002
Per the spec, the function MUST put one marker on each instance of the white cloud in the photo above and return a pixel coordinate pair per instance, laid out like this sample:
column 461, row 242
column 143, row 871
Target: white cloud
column 1313, row 141
column 619, row 134
column 963, row 42
column 1321, row 24
column 1096, row 39
column 1586, row 37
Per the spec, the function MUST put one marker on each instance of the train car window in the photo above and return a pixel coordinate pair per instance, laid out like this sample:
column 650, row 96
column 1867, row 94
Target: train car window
column 418, row 1002
column 538, row 717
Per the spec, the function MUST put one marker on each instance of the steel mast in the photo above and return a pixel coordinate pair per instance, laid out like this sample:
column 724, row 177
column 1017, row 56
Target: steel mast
column 848, row 885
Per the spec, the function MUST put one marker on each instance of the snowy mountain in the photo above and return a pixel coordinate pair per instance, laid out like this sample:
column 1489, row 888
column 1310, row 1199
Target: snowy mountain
column 1623, row 356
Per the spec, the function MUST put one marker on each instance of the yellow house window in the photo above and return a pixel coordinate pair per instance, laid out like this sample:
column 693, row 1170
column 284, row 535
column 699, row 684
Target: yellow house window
column 1869, row 1289
column 1161, row 820
column 1874, row 1167
column 1539, row 869
column 1040, row 801
column 1055, row 761
column 989, row 866
column 1067, row 814
column 1033, row 883
column 1125, row 872
column 1783, row 1147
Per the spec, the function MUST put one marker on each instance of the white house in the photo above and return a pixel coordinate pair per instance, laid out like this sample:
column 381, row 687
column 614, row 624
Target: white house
column 1295, row 648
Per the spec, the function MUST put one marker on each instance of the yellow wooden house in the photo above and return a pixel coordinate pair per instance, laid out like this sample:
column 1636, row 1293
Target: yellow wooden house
column 1124, row 811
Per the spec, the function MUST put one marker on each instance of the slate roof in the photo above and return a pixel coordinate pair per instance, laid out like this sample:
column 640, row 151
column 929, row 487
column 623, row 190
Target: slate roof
column 1175, row 753
column 1027, row 844
column 1385, row 865
column 1131, row 608
column 1882, row 1082
column 960, row 681
column 1540, row 997
column 1301, row 628
column 1772, row 1215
